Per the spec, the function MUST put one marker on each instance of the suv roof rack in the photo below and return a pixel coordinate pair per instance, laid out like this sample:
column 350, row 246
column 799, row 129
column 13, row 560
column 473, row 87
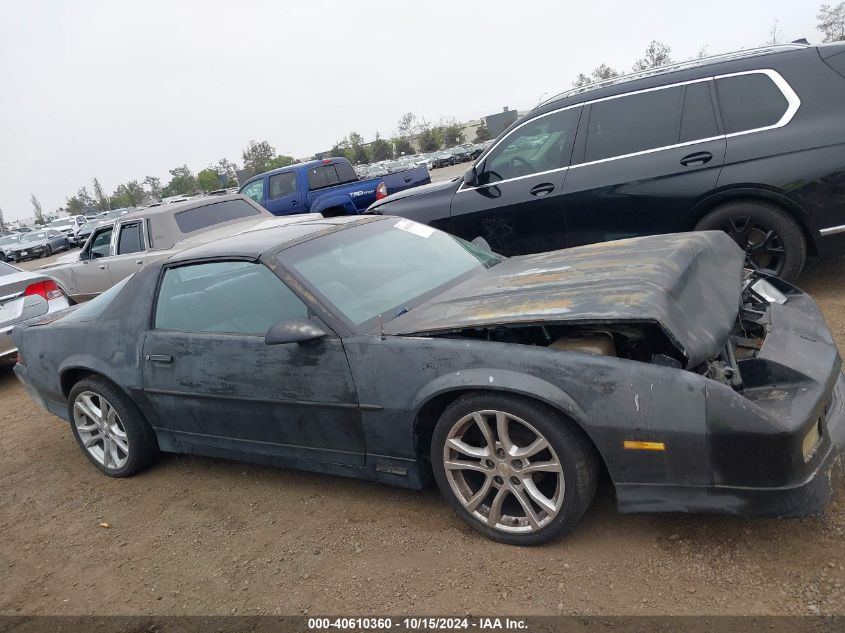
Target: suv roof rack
column 692, row 63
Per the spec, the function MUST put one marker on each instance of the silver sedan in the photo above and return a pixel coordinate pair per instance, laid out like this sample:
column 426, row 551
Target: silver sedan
column 24, row 295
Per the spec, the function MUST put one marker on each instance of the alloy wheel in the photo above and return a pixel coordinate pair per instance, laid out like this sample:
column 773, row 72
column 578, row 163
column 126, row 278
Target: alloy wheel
column 100, row 430
column 764, row 249
column 503, row 471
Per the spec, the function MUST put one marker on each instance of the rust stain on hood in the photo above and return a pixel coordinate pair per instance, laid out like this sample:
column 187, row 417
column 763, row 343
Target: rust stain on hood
column 687, row 283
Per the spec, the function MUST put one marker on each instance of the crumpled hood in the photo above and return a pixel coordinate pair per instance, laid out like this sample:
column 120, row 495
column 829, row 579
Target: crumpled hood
column 687, row 283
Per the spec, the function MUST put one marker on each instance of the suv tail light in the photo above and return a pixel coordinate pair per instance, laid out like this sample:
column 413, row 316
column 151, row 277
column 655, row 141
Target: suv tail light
column 47, row 289
column 21, row 360
column 381, row 191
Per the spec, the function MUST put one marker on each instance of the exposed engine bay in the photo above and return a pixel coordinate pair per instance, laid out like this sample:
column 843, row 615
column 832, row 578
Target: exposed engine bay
column 648, row 342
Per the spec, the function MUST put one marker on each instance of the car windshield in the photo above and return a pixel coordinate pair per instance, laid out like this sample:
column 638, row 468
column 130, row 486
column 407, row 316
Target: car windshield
column 9, row 239
column 385, row 267
column 61, row 222
column 34, row 237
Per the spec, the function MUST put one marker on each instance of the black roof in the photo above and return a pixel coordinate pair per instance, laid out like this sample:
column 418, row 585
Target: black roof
column 672, row 73
column 255, row 242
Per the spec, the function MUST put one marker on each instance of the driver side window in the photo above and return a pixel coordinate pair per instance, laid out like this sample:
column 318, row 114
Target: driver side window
column 540, row 145
column 100, row 244
column 255, row 190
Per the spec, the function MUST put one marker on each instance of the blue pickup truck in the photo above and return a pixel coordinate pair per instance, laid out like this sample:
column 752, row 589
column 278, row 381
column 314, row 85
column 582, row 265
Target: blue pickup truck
column 329, row 186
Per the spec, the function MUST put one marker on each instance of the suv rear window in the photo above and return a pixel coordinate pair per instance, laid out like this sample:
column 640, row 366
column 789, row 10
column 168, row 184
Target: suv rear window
column 199, row 218
column 634, row 123
column 749, row 102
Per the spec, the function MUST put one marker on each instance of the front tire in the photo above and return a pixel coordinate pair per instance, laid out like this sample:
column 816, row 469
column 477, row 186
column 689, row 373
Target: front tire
column 48, row 251
column 512, row 468
column 773, row 242
column 110, row 429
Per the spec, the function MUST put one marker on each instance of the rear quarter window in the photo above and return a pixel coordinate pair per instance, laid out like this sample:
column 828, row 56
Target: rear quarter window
column 749, row 102
column 634, row 123
column 203, row 217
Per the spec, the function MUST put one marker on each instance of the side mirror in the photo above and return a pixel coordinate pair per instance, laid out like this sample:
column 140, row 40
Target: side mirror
column 294, row 331
column 471, row 176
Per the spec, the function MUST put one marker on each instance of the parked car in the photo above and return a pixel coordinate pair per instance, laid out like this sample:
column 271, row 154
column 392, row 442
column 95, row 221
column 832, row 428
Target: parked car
column 425, row 160
column 443, row 158
column 384, row 349
column 7, row 242
column 329, row 186
column 69, row 226
column 749, row 143
column 461, row 153
column 375, row 171
column 23, row 295
column 21, row 229
column 477, row 150
column 121, row 247
column 40, row 244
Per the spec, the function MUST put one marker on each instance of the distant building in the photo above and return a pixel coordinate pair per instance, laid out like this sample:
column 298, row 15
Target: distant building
column 496, row 123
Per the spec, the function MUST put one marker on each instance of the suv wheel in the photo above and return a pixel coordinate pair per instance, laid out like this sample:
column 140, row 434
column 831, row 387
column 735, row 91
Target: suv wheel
column 110, row 429
column 511, row 468
column 772, row 241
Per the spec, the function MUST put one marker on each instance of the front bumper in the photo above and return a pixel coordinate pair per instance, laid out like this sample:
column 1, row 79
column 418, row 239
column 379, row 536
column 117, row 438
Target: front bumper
column 29, row 253
column 807, row 496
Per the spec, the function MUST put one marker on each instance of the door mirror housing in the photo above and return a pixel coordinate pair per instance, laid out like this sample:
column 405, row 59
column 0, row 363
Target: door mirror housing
column 294, row 331
column 471, row 176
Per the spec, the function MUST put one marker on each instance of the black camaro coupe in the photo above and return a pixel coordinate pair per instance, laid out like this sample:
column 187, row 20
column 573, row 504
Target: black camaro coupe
column 379, row 348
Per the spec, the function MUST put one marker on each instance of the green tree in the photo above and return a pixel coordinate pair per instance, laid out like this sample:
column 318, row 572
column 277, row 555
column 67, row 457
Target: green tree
column 37, row 211
column 360, row 155
column 182, row 182
column 280, row 161
column 429, row 140
column 342, row 149
column 154, row 184
column 402, row 146
column 130, row 194
column 257, row 155
column 657, row 54
column 600, row 73
column 407, row 125
column 102, row 199
column 230, row 169
column 482, row 133
column 832, row 22
column 208, row 180
column 380, row 149
column 453, row 134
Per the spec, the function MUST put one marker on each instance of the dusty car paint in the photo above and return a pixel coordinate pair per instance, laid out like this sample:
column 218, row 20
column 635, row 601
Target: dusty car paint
column 725, row 451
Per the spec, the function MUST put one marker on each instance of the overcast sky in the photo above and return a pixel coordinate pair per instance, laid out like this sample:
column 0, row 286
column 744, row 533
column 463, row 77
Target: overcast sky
column 124, row 89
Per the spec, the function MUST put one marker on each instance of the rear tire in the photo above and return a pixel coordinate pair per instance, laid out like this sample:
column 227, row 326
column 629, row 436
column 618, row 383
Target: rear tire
column 487, row 464
column 773, row 242
column 109, row 429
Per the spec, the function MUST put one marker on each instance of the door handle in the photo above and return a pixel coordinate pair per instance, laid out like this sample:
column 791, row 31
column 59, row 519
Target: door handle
column 159, row 358
column 140, row 262
column 699, row 158
column 102, row 267
column 542, row 190
column 408, row 179
column 294, row 202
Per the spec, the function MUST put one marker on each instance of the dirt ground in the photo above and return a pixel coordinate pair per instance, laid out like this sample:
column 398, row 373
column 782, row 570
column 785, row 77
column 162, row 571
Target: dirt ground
column 205, row 536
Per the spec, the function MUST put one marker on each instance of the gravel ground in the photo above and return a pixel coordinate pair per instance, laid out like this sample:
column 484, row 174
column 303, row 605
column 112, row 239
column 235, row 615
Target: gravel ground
column 205, row 536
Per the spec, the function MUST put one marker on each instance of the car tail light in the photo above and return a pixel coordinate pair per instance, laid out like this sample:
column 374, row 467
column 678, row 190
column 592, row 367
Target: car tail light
column 381, row 191
column 48, row 289
column 21, row 360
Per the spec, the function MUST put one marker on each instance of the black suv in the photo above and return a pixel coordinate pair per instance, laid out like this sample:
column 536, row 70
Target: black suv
column 751, row 142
